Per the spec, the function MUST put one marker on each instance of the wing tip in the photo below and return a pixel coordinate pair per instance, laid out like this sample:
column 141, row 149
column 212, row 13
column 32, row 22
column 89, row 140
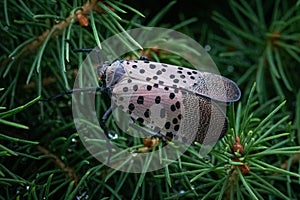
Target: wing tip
column 235, row 93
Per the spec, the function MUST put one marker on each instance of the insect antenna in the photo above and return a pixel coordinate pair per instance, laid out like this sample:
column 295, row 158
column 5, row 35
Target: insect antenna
column 75, row 90
column 84, row 50
column 81, row 50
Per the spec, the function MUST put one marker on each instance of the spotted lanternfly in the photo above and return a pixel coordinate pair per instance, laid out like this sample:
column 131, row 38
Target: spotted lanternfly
column 176, row 102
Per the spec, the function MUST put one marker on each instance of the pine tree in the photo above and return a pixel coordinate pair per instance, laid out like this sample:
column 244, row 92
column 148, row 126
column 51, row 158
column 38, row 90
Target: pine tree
column 42, row 157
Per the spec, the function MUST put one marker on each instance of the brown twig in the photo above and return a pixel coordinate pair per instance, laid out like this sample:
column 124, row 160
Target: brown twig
column 295, row 159
column 70, row 173
column 149, row 144
column 57, row 29
column 237, row 147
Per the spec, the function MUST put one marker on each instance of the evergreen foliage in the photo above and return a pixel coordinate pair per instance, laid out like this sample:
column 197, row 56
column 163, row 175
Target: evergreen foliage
column 254, row 43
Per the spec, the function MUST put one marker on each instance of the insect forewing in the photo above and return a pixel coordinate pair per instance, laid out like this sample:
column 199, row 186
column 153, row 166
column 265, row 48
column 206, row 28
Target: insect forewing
column 177, row 114
column 203, row 83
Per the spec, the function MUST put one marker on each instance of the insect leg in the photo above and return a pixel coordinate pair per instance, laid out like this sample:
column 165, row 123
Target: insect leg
column 107, row 132
column 103, row 121
column 162, row 138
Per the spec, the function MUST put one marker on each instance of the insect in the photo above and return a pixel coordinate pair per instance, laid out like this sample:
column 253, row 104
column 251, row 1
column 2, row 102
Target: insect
column 176, row 102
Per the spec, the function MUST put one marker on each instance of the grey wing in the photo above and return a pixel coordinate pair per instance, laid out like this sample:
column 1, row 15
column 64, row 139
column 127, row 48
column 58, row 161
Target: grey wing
column 203, row 83
column 216, row 87
column 176, row 114
column 154, row 106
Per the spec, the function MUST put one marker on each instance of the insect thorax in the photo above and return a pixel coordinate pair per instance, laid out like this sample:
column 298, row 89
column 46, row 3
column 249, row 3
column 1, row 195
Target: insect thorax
column 113, row 73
